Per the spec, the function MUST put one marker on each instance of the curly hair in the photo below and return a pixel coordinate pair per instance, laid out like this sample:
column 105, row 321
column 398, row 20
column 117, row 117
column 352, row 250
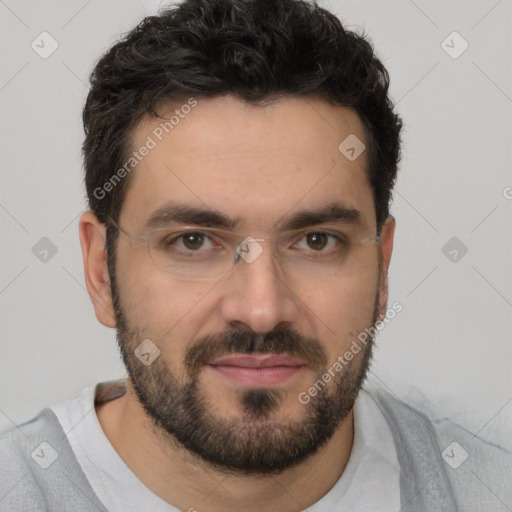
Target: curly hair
column 254, row 49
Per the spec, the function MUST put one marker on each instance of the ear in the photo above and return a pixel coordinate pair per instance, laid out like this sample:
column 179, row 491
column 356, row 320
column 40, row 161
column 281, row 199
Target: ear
column 92, row 240
column 386, row 248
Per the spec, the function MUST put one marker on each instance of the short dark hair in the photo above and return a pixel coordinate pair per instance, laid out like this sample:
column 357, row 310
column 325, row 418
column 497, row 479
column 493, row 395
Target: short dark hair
column 254, row 49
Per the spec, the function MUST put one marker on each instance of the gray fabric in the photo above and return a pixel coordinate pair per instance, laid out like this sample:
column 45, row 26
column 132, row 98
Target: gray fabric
column 26, row 486
column 423, row 479
column 482, row 483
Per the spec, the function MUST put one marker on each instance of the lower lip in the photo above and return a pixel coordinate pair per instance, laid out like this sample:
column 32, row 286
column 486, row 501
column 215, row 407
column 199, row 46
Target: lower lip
column 257, row 377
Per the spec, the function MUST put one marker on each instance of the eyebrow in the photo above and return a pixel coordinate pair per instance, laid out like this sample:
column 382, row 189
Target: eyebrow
column 335, row 212
column 173, row 212
column 181, row 213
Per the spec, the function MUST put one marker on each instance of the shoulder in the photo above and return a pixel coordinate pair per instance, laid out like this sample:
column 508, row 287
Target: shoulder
column 474, row 472
column 19, row 488
column 39, row 471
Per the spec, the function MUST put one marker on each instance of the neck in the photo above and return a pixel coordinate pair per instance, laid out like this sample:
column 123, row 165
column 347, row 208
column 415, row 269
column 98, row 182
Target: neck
column 188, row 483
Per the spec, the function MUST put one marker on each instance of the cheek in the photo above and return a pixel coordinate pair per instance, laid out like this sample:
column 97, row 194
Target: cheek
column 148, row 295
column 354, row 291
column 167, row 307
column 341, row 310
column 168, row 312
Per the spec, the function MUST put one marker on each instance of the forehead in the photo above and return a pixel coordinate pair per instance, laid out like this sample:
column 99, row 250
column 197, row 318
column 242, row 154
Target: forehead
column 250, row 162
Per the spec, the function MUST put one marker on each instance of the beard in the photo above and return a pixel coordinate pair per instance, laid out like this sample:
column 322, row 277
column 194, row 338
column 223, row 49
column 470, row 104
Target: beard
column 254, row 442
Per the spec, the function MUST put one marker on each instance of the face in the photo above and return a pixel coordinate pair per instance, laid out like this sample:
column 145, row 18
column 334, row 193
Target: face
column 233, row 354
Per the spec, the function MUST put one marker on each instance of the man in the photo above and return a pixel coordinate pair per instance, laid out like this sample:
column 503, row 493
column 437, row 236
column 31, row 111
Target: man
column 239, row 159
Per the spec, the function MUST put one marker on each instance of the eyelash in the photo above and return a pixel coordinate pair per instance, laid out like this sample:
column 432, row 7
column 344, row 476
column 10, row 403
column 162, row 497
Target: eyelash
column 338, row 238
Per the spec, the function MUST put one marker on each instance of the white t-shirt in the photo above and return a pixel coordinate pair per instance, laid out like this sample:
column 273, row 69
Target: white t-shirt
column 369, row 482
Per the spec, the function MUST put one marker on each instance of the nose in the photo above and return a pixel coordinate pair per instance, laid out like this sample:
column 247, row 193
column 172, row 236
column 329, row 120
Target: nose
column 257, row 295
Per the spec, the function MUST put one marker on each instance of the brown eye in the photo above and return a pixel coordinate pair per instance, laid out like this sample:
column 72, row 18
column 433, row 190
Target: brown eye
column 193, row 241
column 317, row 241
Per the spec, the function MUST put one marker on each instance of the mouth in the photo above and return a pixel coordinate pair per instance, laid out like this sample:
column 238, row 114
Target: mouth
column 261, row 370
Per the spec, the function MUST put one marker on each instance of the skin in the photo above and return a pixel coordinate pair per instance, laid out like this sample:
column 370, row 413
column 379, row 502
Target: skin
column 257, row 163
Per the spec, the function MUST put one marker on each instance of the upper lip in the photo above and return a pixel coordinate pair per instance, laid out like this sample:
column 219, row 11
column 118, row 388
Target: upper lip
column 257, row 361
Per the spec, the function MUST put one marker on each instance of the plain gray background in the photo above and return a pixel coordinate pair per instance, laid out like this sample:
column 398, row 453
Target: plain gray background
column 451, row 342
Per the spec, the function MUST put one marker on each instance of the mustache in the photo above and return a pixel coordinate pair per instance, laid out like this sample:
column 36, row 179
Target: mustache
column 278, row 341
